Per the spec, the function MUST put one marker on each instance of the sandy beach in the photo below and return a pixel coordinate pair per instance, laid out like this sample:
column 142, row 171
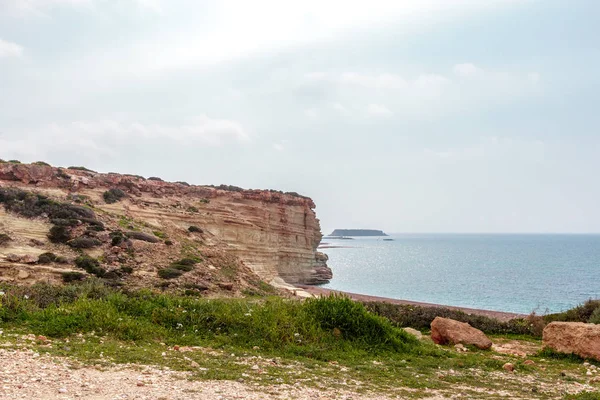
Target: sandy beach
column 499, row 315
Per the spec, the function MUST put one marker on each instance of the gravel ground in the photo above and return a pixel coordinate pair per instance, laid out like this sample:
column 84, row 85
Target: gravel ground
column 25, row 374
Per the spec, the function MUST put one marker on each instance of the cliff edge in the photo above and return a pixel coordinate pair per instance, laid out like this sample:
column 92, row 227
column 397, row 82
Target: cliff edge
column 259, row 234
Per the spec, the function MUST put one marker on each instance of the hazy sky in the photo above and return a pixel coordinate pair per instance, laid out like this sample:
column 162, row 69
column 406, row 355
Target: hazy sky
column 407, row 116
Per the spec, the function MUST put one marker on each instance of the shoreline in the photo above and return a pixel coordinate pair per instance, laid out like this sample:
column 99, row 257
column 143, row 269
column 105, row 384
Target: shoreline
column 499, row 315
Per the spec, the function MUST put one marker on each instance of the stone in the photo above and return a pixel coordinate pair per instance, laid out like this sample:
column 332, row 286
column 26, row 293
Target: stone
column 445, row 330
column 573, row 338
column 62, row 390
column 36, row 242
column 529, row 362
column 23, row 274
column 508, row 367
column 413, row 332
column 29, row 259
column 460, row 348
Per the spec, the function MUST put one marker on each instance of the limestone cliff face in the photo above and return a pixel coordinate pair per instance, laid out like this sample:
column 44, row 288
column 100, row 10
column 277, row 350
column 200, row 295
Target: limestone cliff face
column 274, row 234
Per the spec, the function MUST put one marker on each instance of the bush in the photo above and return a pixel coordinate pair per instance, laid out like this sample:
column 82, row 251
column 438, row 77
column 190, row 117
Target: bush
column 4, row 238
column 14, row 161
column 154, row 178
column 193, row 209
column 61, row 260
column 351, row 321
column 82, row 169
column 117, row 237
column 72, row 276
column 126, row 269
column 46, row 258
column 195, row 229
column 160, row 234
column 169, row 273
column 84, row 242
column 420, row 318
column 113, row 195
column 204, row 201
column 183, row 183
column 182, row 267
column 146, row 237
column 581, row 313
column 45, row 164
column 169, row 242
column 59, row 234
column 90, row 265
column 31, row 205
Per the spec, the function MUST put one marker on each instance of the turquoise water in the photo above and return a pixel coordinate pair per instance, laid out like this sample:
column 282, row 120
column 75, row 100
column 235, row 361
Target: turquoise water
column 516, row 273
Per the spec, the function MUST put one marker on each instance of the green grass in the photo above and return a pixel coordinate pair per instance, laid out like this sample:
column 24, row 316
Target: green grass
column 330, row 343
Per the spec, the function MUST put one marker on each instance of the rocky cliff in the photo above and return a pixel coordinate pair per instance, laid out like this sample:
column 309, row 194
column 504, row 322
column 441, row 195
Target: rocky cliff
column 272, row 234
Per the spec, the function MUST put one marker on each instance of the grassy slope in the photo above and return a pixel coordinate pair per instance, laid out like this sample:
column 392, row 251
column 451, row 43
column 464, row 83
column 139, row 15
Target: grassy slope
column 328, row 343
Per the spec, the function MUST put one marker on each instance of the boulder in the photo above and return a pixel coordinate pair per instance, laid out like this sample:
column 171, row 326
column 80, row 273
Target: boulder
column 445, row 330
column 573, row 338
column 413, row 332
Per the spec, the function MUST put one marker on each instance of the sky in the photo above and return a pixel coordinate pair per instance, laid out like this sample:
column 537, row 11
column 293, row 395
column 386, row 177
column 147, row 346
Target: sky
column 406, row 116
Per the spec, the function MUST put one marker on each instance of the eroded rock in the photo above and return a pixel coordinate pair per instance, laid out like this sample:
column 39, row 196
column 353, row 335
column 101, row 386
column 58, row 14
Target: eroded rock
column 445, row 330
column 573, row 338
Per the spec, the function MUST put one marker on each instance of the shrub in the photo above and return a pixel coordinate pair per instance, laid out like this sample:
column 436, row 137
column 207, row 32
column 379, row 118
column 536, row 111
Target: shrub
column 46, row 258
column 146, row 237
column 82, row 169
column 126, row 269
column 195, row 229
column 45, row 164
column 581, row 313
column 351, row 321
column 188, row 261
column 169, row 242
column 183, row 183
column 193, row 209
column 4, row 238
column 84, row 242
column 169, row 273
column 59, row 234
column 204, row 201
column 154, row 178
column 61, row 260
column 72, row 276
column 90, row 265
column 113, row 195
column 182, row 267
column 160, row 234
column 14, row 161
column 32, row 205
column 117, row 237
column 420, row 318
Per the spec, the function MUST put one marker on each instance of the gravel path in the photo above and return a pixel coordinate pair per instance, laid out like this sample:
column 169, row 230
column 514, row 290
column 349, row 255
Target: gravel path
column 25, row 374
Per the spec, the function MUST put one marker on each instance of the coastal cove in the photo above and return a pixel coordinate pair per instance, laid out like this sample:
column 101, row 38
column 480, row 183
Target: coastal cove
column 517, row 273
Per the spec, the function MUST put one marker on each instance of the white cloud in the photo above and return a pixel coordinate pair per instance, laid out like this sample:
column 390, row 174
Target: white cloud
column 534, row 77
column 106, row 136
column 378, row 110
column 9, row 49
column 278, row 146
column 341, row 109
column 467, row 70
column 311, row 113
column 380, row 81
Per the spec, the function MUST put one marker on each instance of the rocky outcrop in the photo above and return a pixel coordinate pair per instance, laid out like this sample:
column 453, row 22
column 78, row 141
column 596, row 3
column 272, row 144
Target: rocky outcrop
column 445, row 330
column 275, row 234
column 573, row 338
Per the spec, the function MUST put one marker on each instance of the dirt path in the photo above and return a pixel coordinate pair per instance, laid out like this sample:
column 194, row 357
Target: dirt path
column 28, row 375
column 499, row 315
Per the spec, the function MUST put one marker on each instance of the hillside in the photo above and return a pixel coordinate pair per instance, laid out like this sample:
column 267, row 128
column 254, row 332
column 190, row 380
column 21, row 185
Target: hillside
column 219, row 239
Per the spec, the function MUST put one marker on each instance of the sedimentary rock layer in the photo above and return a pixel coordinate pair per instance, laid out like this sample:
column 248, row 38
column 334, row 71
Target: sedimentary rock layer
column 275, row 234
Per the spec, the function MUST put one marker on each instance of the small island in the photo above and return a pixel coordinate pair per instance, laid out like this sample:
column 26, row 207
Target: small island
column 357, row 232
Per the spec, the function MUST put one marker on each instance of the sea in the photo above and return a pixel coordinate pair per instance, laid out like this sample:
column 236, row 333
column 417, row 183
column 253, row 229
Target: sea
column 500, row 272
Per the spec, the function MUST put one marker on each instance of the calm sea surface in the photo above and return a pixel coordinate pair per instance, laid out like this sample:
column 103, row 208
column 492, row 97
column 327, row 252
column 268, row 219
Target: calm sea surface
column 516, row 273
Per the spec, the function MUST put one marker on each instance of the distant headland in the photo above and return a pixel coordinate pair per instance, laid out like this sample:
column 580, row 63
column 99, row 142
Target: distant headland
column 357, row 232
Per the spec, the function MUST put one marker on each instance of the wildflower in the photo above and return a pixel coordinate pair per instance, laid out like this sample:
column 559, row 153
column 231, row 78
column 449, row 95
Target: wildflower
column 26, row 297
column 1, row 293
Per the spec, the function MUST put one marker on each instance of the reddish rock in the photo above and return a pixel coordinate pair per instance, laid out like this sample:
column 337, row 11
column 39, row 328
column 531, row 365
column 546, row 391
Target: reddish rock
column 573, row 338
column 509, row 367
column 445, row 330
